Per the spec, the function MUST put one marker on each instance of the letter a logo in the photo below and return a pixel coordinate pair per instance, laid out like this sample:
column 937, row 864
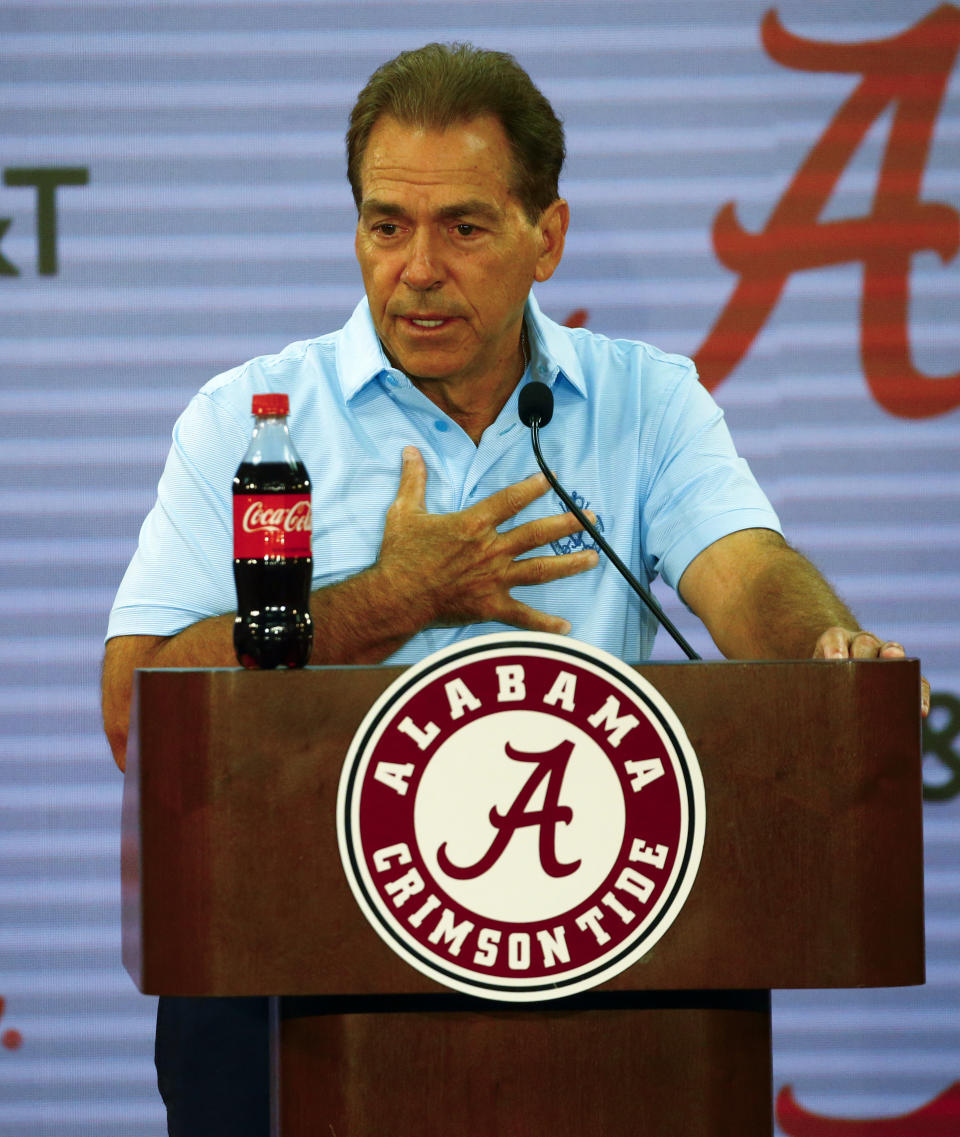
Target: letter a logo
column 910, row 71
column 550, row 766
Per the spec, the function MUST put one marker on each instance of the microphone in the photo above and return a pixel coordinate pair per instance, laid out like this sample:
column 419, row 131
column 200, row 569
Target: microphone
column 535, row 407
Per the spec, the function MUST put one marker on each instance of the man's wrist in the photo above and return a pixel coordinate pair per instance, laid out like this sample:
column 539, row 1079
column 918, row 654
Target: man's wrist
column 363, row 619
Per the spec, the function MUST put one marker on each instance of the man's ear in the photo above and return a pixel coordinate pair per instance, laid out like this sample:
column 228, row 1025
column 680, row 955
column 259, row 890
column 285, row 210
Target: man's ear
column 552, row 225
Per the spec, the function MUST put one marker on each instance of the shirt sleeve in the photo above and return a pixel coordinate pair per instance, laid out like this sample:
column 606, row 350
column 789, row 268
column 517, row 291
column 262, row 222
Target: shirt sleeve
column 182, row 571
column 699, row 488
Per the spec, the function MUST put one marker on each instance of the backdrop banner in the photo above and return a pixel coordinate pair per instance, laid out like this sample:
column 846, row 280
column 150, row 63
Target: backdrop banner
column 774, row 192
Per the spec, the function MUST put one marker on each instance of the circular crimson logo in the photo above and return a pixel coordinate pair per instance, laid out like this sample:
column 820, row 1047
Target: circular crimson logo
column 521, row 816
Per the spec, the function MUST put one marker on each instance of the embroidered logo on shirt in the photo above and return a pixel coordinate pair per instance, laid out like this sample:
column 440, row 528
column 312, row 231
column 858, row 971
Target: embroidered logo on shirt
column 581, row 540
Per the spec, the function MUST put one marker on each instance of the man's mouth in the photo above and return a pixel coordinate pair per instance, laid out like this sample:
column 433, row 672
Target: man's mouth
column 427, row 321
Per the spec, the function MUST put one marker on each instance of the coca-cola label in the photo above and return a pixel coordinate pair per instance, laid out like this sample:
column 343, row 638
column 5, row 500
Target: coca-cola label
column 271, row 525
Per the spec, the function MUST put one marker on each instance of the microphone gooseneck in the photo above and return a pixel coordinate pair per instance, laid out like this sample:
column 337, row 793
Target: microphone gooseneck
column 535, row 407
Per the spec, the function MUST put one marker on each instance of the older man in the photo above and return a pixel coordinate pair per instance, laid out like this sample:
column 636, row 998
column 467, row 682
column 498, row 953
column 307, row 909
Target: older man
column 427, row 527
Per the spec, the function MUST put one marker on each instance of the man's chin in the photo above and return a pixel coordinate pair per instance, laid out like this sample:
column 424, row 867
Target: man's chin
column 418, row 375
column 424, row 366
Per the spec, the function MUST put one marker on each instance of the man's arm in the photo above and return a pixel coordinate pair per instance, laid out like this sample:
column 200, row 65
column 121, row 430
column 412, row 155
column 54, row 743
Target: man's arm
column 354, row 622
column 452, row 569
column 760, row 599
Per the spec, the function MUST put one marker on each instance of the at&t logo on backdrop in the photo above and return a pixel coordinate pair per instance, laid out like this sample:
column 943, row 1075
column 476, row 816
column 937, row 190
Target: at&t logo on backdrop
column 521, row 816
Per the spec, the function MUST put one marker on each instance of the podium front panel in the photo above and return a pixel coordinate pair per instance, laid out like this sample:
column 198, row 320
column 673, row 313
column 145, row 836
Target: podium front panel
column 811, row 873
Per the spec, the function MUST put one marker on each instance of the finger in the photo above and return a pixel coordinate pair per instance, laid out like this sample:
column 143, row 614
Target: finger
column 866, row 645
column 834, row 643
column 520, row 615
column 508, row 502
column 412, row 491
column 540, row 570
column 893, row 650
column 533, row 534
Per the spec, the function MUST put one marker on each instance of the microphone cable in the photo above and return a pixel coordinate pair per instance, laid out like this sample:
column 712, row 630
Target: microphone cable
column 535, row 407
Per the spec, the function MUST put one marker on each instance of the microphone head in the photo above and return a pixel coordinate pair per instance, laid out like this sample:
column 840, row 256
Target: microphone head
column 535, row 404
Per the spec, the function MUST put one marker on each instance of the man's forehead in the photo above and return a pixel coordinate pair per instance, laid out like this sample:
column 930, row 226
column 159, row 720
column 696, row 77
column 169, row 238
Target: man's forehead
column 472, row 207
column 473, row 153
column 476, row 133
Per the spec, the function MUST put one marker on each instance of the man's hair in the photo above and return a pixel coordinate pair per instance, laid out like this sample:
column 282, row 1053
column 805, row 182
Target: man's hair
column 442, row 84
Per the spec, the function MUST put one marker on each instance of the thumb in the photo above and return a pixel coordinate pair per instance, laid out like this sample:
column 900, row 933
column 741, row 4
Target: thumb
column 412, row 491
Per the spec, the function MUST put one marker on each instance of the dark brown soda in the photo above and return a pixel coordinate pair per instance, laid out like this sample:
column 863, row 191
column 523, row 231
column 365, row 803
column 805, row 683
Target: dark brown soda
column 273, row 627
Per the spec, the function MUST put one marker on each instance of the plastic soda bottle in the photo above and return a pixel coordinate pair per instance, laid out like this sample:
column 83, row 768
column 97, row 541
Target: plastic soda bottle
column 272, row 562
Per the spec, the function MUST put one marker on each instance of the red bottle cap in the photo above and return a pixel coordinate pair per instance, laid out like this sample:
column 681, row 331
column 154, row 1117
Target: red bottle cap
column 271, row 404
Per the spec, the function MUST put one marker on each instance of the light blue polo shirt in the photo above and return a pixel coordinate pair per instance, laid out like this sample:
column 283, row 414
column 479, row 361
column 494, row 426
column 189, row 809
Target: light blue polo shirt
column 634, row 437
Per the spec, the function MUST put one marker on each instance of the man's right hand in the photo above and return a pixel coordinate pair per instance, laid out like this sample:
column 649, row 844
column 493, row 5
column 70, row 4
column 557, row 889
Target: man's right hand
column 458, row 568
column 451, row 568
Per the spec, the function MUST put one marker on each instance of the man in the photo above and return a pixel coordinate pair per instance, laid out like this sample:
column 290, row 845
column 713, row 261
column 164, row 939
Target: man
column 454, row 159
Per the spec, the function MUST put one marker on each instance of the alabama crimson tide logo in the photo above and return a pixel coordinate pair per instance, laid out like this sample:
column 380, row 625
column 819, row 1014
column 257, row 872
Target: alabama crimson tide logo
column 521, row 816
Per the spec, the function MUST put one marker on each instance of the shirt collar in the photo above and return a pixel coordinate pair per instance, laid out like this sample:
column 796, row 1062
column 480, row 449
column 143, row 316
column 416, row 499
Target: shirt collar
column 361, row 358
column 552, row 355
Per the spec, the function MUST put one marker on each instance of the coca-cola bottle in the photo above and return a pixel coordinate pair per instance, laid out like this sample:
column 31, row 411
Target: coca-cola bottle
column 272, row 562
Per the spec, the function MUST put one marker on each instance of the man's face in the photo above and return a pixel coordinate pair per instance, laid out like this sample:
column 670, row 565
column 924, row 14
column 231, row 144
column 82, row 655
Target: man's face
column 446, row 251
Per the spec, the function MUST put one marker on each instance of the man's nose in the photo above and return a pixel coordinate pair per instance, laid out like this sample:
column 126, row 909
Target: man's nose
column 424, row 266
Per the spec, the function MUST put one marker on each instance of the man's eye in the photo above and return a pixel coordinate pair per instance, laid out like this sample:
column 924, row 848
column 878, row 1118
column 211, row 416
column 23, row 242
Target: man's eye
column 386, row 229
column 465, row 229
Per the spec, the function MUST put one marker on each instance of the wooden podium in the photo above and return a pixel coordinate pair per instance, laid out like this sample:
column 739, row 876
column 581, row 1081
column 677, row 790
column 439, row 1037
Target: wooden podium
column 811, row 876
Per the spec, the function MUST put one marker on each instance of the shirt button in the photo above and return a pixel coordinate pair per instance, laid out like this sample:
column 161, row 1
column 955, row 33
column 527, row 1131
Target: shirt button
column 441, row 425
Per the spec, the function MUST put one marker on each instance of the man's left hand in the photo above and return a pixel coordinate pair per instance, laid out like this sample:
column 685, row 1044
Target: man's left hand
column 841, row 643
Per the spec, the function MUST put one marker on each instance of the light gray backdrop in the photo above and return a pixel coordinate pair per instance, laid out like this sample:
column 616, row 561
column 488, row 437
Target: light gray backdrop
column 216, row 224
